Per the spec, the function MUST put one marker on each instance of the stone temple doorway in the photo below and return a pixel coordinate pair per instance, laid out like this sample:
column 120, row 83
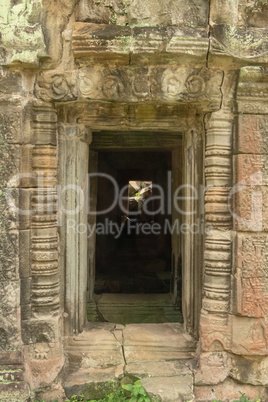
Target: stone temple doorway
column 181, row 152
column 137, row 244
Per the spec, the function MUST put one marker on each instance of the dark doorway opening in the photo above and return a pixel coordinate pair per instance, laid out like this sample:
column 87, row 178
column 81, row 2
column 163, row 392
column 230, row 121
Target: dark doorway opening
column 133, row 266
column 131, row 255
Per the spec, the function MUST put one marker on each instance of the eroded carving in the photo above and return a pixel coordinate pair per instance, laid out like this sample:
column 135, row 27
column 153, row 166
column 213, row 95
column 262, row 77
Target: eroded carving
column 3, row 339
column 253, row 134
column 215, row 337
column 59, row 87
column 155, row 84
column 9, row 255
column 253, row 275
column 253, row 13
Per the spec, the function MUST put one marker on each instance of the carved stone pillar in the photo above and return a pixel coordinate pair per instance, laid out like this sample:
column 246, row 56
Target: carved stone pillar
column 218, row 170
column 73, row 208
column 39, row 270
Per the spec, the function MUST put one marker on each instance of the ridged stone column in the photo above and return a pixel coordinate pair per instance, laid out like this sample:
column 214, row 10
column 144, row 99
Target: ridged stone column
column 217, row 261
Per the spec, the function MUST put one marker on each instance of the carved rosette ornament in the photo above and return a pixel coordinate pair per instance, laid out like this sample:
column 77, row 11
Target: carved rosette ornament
column 173, row 83
column 58, row 86
column 195, row 85
column 112, row 87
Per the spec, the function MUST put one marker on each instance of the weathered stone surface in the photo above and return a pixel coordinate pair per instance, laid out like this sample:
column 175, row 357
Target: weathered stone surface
column 157, row 45
column 10, row 164
column 251, row 170
column 169, row 389
column 250, row 210
column 10, row 83
column 251, row 275
column 165, row 13
column 132, row 308
column 9, row 317
column 249, row 336
column 145, row 342
column 138, row 13
column 253, row 14
column 252, row 136
column 249, row 370
column 101, row 347
column 214, row 368
column 12, row 377
column 240, row 44
column 142, row 116
column 46, row 362
column 39, row 166
column 20, row 26
column 228, row 390
column 158, row 368
column 188, row 78
column 217, row 274
column 252, row 90
column 10, row 123
column 9, row 246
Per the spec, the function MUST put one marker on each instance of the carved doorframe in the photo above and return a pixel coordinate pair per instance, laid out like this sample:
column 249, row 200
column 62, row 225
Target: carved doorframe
column 79, row 135
column 163, row 112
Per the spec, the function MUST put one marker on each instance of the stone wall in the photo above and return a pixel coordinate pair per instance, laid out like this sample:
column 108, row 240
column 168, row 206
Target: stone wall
column 71, row 67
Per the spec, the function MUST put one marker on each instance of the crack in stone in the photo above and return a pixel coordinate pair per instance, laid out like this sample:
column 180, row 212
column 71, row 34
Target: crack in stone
column 209, row 36
column 120, row 341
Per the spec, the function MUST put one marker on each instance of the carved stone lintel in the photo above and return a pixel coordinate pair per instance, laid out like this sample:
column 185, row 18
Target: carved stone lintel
column 200, row 86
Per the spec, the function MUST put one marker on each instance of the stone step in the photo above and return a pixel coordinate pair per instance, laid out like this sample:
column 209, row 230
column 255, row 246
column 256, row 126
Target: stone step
column 162, row 356
column 135, row 308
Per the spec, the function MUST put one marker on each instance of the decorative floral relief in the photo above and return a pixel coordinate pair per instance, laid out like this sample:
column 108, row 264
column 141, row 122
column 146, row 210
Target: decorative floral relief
column 131, row 84
column 56, row 86
column 112, row 87
column 90, row 83
column 173, row 83
column 177, row 86
column 41, row 351
column 195, row 85
column 140, row 84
